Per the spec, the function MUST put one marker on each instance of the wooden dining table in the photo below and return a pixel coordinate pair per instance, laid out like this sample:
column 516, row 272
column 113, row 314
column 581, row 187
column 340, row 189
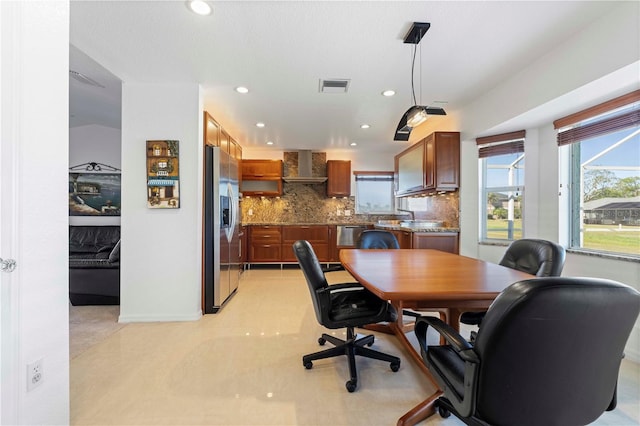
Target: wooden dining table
column 427, row 279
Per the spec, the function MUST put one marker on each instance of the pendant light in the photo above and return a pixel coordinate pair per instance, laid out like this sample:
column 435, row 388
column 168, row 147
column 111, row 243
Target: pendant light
column 417, row 114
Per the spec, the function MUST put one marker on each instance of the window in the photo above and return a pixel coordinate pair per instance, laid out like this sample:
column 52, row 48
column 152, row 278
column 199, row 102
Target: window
column 604, row 179
column 502, row 186
column 374, row 193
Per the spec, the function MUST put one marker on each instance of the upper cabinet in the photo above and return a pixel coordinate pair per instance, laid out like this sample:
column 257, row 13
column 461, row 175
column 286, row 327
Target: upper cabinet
column 211, row 130
column 262, row 168
column 261, row 177
column 410, row 170
column 338, row 178
column 433, row 164
column 214, row 135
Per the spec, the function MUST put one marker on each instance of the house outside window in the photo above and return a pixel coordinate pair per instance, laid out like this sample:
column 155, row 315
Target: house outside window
column 502, row 163
column 604, row 180
column 374, row 193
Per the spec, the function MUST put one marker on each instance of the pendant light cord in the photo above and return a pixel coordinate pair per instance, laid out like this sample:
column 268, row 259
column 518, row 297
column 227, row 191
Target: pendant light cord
column 413, row 63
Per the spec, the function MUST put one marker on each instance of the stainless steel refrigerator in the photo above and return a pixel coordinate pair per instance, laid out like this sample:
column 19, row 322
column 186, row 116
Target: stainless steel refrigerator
column 222, row 223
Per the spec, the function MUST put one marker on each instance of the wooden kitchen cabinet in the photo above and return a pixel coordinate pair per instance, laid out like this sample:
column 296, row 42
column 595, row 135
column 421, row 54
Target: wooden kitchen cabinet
column 261, row 178
column 211, row 130
column 265, row 243
column 317, row 235
column 443, row 241
column 444, row 164
column 338, row 178
column 405, row 238
column 432, row 164
column 244, row 248
column 409, row 170
column 262, row 168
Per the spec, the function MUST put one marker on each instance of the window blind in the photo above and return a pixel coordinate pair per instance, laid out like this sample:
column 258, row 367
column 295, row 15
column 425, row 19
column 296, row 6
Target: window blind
column 599, row 128
column 374, row 176
column 504, row 143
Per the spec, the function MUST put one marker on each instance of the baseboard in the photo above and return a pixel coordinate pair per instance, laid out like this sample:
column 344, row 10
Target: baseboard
column 160, row 318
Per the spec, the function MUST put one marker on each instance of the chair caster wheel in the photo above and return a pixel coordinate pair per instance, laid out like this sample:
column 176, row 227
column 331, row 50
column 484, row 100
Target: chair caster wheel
column 308, row 365
column 321, row 341
column 395, row 366
column 351, row 385
column 444, row 413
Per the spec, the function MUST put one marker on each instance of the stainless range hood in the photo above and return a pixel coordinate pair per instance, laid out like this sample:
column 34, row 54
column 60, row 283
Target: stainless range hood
column 305, row 167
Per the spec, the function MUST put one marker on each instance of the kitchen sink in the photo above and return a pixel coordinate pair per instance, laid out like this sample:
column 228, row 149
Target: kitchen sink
column 419, row 224
column 422, row 223
column 389, row 222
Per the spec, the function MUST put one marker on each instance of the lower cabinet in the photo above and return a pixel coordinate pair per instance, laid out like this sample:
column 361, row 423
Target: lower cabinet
column 443, row 241
column 274, row 243
column 317, row 235
column 405, row 239
column 265, row 244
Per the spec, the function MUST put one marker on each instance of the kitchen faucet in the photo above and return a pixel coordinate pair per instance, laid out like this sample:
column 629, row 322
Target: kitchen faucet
column 413, row 216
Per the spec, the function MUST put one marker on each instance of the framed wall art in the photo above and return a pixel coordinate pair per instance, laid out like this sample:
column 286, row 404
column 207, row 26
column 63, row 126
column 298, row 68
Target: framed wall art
column 163, row 176
column 94, row 194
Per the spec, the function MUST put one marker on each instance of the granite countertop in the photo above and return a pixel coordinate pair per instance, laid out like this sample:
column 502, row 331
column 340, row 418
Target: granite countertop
column 394, row 227
column 308, row 223
column 416, row 228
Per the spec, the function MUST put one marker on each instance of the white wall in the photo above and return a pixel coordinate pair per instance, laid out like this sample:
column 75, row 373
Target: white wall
column 565, row 71
column 161, row 248
column 94, row 143
column 35, row 101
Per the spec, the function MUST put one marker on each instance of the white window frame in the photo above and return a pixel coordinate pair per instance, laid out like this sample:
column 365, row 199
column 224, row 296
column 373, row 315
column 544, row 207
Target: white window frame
column 512, row 190
column 576, row 196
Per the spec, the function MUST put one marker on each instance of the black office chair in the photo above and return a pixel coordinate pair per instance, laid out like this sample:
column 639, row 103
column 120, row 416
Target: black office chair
column 371, row 239
column 347, row 305
column 541, row 258
column 548, row 353
column 377, row 239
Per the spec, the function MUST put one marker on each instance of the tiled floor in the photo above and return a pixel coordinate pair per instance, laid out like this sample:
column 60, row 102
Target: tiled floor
column 243, row 366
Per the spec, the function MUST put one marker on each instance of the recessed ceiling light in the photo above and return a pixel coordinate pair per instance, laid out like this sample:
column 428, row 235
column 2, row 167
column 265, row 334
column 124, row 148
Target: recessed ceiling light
column 269, row 143
column 200, row 7
column 364, row 126
column 353, row 144
column 388, row 93
column 242, row 89
column 260, row 124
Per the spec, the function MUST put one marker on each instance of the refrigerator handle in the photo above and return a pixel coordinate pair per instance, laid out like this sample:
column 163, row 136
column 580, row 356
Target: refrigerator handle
column 232, row 212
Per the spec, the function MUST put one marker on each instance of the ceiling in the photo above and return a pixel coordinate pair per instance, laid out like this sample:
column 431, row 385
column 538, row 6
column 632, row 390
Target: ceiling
column 280, row 50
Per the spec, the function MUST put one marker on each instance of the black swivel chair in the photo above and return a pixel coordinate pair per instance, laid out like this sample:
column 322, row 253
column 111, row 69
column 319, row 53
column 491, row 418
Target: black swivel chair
column 548, row 353
column 347, row 305
column 377, row 239
column 541, row 258
column 371, row 239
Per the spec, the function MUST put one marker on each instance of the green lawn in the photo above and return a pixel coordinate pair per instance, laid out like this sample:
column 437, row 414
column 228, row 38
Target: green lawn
column 497, row 229
column 612, row 238
column 609, row 238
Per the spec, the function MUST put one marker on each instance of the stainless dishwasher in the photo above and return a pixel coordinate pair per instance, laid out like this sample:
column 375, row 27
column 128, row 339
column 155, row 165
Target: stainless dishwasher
column 347, row 235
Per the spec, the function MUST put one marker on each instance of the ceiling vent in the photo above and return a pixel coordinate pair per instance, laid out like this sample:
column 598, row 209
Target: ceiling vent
column 334, row 85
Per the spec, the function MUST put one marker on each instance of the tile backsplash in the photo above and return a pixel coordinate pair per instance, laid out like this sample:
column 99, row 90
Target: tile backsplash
column 301, row 203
